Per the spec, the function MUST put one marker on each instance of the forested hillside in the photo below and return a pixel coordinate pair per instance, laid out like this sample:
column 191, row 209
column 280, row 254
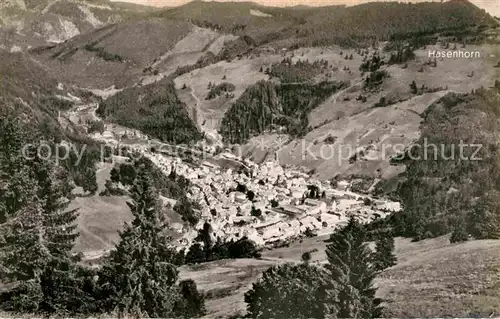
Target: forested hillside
column 382, row 20
column 342, row 25
column 300, row 234
column 154, row 109
column 448, row 187
column 266, row 105
column 26, row 24
column 30, row 93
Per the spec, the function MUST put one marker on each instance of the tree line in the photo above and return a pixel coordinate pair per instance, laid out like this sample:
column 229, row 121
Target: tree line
column 267, row 105
column 154, row 109
column 37, row 262
column 301, row 71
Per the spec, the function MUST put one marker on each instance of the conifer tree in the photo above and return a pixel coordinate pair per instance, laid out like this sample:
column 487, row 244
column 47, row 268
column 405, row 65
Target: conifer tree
column 115, row 174
column 306, row 257
column 89, row 183
column 207, row 240
column 413, row 87
column 59, row 223
column 195, row 254
column 484, row 219
column 351, row 275
column 16, row 184
column 67, row 287
column 36, row 251
column 384, row 257
column 288, row 291
column 459, row 233
column 192, row 304
column 23, row 253
column 139, row 277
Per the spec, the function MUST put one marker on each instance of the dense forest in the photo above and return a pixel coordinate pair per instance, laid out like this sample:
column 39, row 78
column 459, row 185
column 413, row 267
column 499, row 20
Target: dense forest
column 266, row 105
column 153, row 109
column 341, row 25
column 300, row 71
column 39, row 271
column 452, row 179
column 29, row 93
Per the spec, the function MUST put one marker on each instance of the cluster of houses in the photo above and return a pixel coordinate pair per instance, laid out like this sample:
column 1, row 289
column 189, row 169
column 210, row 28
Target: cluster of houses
column 267, row 203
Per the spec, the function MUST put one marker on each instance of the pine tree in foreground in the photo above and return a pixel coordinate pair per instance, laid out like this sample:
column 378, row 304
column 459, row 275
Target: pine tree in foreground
column 16, row 184
column 351, row 292
column 59, row 223
column 23, row 259
column 46, row 281
column 22, row 252
column 35, row 254
column 192, row 303
column 288, row 291
column 139, row 278
column 68, row 288
column 383, row 256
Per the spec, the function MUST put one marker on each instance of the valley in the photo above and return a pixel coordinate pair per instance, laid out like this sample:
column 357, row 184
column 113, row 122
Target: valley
column 213, row 145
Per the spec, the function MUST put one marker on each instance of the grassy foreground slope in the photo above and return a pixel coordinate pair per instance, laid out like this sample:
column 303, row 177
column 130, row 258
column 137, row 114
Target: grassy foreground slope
column 436, row 279
column 432, row 278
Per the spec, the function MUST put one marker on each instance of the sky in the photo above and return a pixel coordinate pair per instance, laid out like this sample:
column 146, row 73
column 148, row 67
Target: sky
column 491, row 6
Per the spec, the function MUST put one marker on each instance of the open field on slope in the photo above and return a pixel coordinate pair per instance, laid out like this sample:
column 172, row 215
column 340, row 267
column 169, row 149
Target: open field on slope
column 197, row 43
column 99, row 221
column 354, row 125
column 101, row 218
column 432, row 278
column 242, row 73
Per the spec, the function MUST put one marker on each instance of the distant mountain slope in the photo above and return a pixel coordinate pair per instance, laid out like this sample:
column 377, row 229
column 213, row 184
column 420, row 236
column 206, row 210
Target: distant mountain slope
column 235, row 17
column 327, row 25
column 116, row 54
column 385, row 19
column 26, row 24
column 32, row 92
column 122, row 53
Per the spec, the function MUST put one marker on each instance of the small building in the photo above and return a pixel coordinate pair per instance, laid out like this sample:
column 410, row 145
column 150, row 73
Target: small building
column 291, row 210
column 240, row 197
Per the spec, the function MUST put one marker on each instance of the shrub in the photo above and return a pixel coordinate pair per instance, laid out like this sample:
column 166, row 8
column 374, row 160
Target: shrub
column 217, row 90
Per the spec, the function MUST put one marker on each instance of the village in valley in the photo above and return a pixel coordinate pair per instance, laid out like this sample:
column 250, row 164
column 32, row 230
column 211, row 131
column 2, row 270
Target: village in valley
column 266, row 203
